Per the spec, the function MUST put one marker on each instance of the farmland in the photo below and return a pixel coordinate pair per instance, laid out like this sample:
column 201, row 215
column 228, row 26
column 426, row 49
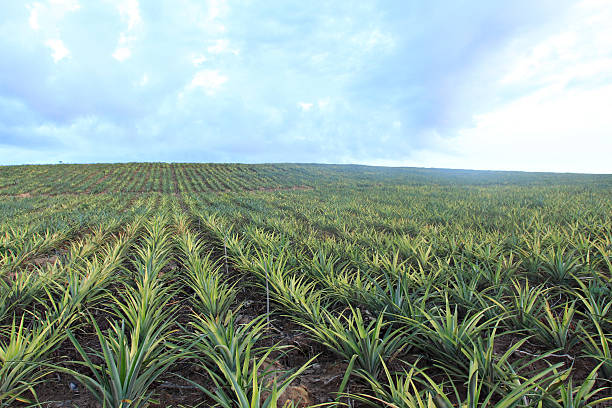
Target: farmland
column 155, row 284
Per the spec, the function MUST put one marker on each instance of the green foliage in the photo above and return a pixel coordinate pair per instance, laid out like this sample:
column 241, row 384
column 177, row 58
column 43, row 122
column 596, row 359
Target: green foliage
column 558, row 330
column 497, row 284
column 444, row 333
column 350, row 335
column 23, row 357
column 132, row 361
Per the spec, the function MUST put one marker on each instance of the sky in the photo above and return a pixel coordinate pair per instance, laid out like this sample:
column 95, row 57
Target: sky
column 480, row 84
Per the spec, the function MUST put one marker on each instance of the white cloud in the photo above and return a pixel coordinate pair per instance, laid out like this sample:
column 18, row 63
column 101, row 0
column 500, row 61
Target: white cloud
column 33, row 19
column 351, row 82
column 207, row 15
column 50, row 13
column 221, row 46
column 582, row 50
column 122, row 53
column 215, row 9
column 561, row 121
column 67, row 5
column 550, row 130
column 58, row 49
column 323, row 104
column 198, row 59
column 209, row 80
column 130, row 12
column 305, row 106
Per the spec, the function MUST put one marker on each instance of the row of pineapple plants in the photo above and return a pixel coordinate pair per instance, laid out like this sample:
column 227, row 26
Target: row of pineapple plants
column 500, row 295
column 450, row 314
column 16, row 181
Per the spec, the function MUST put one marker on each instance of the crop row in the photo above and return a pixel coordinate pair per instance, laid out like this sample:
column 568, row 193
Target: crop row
column 376, row 295
column 192, row 178
column 144, row 177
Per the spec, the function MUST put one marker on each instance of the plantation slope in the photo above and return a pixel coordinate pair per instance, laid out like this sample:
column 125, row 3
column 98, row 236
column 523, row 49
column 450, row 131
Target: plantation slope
column 260, row 286
column 175, row 178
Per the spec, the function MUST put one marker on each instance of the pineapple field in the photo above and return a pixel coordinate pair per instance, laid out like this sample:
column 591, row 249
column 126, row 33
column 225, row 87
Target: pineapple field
column 286, row 285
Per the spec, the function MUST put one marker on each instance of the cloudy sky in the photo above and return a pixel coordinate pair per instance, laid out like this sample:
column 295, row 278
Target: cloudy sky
column 482, row 84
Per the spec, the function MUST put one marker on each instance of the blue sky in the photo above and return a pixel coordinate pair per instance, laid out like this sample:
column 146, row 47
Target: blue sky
column 516, row 84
